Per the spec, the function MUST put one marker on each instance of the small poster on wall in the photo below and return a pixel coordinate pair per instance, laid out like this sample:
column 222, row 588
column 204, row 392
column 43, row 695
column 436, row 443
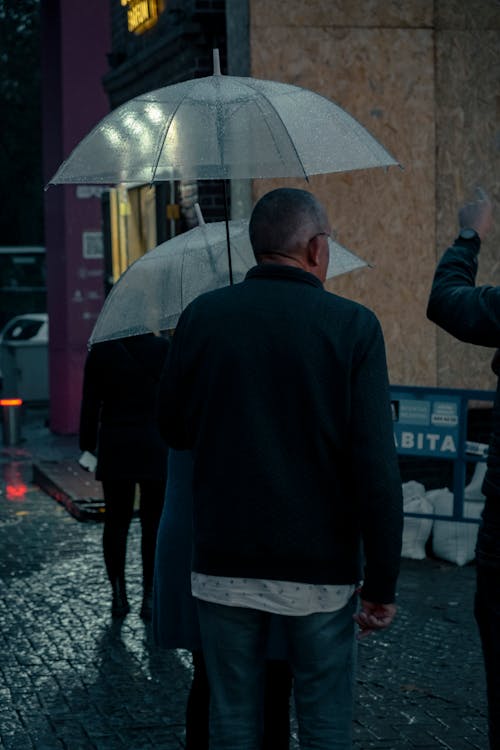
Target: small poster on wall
column 92, row 245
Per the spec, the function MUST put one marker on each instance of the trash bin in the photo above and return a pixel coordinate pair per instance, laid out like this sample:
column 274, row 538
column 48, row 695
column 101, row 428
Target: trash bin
column 11, row 420
column 24, row 358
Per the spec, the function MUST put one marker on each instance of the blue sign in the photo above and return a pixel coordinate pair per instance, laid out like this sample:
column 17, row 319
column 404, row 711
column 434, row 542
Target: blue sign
column 426, row 425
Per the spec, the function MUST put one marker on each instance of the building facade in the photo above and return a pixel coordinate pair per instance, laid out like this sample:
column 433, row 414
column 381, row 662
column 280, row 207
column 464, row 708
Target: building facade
column 423, row 76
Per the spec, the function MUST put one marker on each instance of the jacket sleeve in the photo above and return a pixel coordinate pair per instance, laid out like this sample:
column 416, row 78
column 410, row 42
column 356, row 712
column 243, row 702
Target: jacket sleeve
column 173, row 394
column 375, row 469
column 469, row 313
column 90, row 406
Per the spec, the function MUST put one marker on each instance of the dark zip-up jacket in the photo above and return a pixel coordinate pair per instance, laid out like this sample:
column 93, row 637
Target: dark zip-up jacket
column 470, row 313
column 281, row 390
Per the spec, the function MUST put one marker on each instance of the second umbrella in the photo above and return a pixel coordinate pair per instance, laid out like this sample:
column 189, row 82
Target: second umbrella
column 152, row 293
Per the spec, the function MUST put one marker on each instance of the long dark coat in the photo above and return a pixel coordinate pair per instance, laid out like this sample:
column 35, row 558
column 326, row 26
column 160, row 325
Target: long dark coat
column 118, row 419
column 175, row 618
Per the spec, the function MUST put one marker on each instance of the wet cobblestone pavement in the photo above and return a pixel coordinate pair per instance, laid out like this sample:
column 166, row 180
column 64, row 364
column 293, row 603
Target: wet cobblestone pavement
column 71, row 678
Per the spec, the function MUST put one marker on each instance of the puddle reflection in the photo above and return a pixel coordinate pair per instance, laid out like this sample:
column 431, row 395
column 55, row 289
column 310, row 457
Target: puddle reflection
column 15, row 486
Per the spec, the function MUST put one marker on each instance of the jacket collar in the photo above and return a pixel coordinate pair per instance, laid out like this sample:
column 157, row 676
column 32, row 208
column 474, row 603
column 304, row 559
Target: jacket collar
column 282, row 272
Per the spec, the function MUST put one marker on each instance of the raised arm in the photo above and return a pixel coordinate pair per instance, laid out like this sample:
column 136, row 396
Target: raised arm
column 469, row 313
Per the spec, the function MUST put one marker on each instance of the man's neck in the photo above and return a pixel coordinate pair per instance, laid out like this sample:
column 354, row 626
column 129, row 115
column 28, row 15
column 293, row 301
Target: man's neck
column 283, row 259
column 277, row 257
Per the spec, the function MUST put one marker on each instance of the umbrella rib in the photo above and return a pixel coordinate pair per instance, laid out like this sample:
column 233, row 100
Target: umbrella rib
column 246, row 83
column 271, row 105
column 368, row 144
column 164, row 138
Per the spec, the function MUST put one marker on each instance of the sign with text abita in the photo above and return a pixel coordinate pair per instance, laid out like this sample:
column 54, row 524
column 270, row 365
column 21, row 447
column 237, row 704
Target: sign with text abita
column 426, row 425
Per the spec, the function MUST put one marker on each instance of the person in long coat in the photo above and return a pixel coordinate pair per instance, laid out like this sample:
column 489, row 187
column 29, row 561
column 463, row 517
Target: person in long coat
column 175, row 619
column 118, row 421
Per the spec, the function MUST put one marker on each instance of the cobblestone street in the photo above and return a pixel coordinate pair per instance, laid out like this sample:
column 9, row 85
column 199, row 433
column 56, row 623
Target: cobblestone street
column 71, row 678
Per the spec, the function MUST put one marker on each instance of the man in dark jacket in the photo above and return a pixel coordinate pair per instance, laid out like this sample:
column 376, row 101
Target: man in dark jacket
column 281, row 391
column 472, row 314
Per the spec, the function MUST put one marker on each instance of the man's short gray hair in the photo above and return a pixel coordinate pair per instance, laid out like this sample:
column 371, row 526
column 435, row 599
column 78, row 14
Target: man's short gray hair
column 284, row 219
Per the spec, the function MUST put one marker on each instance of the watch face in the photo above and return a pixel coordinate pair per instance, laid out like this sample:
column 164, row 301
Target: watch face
column 467, row 234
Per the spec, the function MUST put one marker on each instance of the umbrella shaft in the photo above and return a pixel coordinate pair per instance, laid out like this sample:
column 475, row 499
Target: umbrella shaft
column 226, row 215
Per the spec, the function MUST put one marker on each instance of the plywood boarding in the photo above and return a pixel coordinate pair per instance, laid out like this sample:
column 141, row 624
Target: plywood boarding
column 424, row 78
column 384, row 76
column 468, row 141
column 338, row 13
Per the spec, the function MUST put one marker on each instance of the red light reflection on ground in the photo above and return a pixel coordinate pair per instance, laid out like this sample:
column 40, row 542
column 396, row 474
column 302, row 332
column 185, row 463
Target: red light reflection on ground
column 15, row 486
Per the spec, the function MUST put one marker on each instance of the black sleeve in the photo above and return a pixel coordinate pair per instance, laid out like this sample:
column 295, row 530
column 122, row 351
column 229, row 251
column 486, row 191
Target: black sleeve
column 469, row 313
column 90, row 406
column 173, row 394
column 377, row 482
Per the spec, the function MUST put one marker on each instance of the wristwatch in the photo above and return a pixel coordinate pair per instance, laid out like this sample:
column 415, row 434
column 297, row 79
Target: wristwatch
column 468, row 234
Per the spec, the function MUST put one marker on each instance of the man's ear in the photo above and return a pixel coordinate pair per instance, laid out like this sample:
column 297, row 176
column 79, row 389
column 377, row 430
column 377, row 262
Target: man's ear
column 313, row 252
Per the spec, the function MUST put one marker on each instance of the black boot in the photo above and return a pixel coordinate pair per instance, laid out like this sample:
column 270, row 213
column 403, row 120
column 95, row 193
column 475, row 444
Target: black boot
column 120, row 606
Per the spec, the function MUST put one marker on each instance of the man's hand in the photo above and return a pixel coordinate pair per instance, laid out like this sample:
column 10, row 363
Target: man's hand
column 373, row 616
column 477, row 215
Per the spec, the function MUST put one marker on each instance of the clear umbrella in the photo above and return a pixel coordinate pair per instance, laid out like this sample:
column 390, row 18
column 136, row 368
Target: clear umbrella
column 222, row 127
column 152, row 293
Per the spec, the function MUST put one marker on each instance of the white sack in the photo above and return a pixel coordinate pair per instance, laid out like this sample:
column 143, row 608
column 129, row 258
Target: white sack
column 416, row 531
column 454, row 541
column 473, row 490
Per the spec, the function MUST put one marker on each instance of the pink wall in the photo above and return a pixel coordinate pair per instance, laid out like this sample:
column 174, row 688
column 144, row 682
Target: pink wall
column 75, row 40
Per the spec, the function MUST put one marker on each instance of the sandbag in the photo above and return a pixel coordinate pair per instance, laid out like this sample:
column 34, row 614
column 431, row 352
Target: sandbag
column 416, row 531
column 454, row 541
column 474, row 491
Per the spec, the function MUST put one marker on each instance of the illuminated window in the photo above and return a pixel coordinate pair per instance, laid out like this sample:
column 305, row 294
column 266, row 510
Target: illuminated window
column 142, row 14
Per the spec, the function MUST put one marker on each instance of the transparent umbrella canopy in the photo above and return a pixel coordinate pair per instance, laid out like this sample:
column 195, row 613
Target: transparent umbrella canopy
column 222, row 127
column 152, row 293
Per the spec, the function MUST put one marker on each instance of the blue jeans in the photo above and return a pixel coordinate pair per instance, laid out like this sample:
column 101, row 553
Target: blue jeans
column 487, row 613
column 322, row 657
